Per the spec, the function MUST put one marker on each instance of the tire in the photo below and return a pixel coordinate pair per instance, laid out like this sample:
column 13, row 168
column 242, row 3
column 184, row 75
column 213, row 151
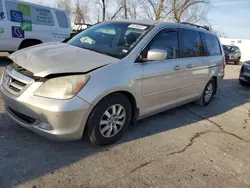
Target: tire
column 29, row 43
column 227, row 60
column 97, row 115
column 237, row 62
column 243, row 83
column 203, row 101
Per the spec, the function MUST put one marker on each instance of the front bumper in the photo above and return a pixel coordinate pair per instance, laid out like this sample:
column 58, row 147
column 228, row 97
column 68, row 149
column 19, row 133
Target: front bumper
column 66, row 117
column 245, row 73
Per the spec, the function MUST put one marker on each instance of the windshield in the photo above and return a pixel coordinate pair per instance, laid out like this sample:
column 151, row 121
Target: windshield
column 228, row 48
column 115, row 39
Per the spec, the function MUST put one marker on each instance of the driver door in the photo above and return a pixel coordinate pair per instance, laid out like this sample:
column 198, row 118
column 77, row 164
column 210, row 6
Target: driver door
column 162, row 80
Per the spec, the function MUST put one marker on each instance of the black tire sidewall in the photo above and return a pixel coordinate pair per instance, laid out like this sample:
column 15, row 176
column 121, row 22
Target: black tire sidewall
column 94, row 119
column 237, row 62
column 203, row 95
column 243, row 83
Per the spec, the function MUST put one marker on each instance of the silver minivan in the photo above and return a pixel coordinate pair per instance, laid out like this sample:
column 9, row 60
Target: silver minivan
column 109, row 76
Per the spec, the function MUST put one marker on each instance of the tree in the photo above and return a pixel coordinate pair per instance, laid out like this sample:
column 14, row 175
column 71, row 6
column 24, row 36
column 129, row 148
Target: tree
column 103, row 4
column 177, row 10
column 219, row 32
column 156, row 9
column 81, row 11
column 64, row 5
column 192, row 11
column 133, row 7
column 124, row 5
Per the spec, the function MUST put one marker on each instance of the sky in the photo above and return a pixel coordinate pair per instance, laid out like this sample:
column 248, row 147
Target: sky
column 229, row 16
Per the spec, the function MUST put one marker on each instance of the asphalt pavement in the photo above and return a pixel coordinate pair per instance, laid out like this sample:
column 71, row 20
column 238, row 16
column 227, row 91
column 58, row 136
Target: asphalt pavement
column 189, row 146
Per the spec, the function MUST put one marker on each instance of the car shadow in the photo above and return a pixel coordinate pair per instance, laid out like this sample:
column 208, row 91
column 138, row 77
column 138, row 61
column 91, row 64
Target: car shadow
column 25, row 155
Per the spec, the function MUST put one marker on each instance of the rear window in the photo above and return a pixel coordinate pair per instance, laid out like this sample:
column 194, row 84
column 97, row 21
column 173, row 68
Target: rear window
column 62, row 19
column 212, row 45
column 23, row 13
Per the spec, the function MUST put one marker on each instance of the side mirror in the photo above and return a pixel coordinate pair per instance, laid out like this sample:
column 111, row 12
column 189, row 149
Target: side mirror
column 156, row 55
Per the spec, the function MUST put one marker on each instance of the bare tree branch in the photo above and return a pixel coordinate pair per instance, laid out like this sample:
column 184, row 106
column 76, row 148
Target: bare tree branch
column 103, row 5
column 81, row 11
column 116, row 13
column 64, row 5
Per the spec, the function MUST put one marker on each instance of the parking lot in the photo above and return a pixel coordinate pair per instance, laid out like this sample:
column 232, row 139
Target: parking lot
column 189, row 146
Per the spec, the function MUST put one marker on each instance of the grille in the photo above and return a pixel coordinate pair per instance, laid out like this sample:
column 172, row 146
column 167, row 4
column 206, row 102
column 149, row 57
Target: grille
column 15, row 82
column 22, row 117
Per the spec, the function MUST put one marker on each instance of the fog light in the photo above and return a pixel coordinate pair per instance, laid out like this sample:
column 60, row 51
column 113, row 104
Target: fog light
column 45, row 126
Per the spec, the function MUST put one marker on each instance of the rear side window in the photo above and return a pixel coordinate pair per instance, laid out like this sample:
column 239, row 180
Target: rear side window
column 62, row 19
column 28, row 14
column 212, row 45
column 166, row 40
column 191, row 43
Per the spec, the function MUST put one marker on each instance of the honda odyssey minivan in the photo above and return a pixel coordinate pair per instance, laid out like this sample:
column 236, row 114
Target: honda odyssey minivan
column 109, row 76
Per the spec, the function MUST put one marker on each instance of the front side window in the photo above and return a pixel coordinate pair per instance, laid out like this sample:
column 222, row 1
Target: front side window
column 27, row 15
column 191, row 43
column 212, row 45
column 167, row 41
column 115, row 39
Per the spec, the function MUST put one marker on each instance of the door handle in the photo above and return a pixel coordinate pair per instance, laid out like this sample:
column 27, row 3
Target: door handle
column 177, row 67
column 189, row 66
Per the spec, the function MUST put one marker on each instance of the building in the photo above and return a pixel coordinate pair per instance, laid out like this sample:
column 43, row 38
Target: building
column 243, row 44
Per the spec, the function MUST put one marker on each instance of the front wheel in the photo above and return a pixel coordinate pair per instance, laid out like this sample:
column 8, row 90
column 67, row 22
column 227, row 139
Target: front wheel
column 243, row 83
column 237, row 62
column 109, row 119
column 227, row 60
column 207, row 94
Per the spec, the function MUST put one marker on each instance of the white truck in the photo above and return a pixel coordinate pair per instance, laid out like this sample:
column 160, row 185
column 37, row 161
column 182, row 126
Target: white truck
column 24, row 24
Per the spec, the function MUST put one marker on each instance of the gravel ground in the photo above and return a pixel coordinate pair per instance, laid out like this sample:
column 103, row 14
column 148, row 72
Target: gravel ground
column 188, row 146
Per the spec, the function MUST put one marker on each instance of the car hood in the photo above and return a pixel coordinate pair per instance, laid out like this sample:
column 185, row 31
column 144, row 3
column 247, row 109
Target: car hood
column 56, row 58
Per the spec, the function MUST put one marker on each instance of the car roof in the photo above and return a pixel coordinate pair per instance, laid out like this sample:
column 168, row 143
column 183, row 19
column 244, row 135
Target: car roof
column 34, row 4
column 164, row 23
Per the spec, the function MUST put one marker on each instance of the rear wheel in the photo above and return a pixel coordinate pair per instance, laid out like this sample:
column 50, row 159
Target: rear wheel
column 207, row 94
column 109, row 119
column 28, row 43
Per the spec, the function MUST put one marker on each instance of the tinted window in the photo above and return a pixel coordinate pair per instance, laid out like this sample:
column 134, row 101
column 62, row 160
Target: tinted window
column 191, row 43
column 19, row 12
column 168, row 41
column 212, row 45
column 115, row 39
column 232, row 49
column 236, row 48
column 62, row 19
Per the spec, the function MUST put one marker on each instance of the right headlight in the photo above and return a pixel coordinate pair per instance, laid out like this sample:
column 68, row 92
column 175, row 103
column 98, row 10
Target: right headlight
column 62, row 87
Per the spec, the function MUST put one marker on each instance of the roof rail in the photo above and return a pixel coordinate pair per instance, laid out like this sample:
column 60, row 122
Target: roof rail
column 199, row 26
